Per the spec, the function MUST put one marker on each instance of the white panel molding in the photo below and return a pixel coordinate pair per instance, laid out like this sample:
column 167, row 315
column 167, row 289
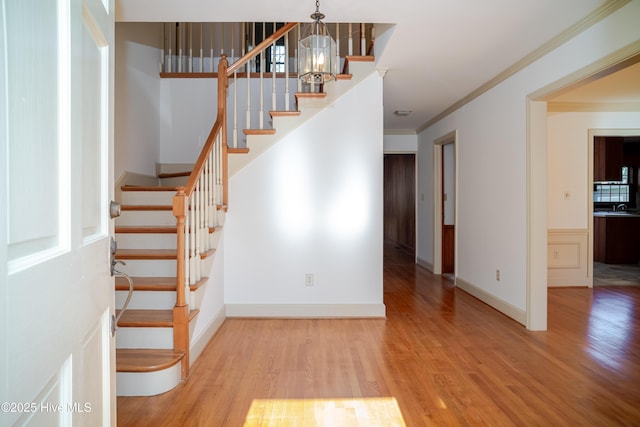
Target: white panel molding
column 502, row 306
column 306, row 311
column 568, row 261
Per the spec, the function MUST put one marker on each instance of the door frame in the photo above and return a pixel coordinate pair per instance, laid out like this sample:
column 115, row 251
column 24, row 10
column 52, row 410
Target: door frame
column 449, row 138
column 593, row 132
column 536, row 187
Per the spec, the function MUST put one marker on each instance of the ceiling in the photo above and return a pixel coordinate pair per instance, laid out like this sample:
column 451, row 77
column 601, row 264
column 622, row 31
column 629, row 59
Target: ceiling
column 435, row 52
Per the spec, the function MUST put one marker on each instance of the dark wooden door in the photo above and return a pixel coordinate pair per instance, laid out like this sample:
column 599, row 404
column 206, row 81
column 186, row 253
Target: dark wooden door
column 400, row 200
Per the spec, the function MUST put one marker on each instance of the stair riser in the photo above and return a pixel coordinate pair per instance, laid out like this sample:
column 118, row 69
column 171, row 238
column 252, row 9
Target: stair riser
column 144, row 338
column 146, row 218
column 146, row 241
column 155, row 300
column 147, row 197
column 149, row 268
column 147, row 383
column 158, row 300
column 179, row 181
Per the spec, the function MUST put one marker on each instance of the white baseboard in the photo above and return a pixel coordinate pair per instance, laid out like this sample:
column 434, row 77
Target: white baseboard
column 423, row 263
column 200, row 342
column 502, row 306
column 306, row 310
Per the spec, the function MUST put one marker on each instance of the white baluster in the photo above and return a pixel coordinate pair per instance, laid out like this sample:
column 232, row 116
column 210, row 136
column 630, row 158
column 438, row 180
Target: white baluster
column 205, row 205
column 273, row 72
column 363, row 41
column 211, row 45
column 201, row 51
column 187, row 245
column 170, row 50
column 179, row 46
column 262, row 61
column 298, row 69
column 192, row 238
column 190, row 63
column 350, row 45
column 253, row 41
column 211, row 202
column 286, row 72
column 235, row 109
column 197, row 230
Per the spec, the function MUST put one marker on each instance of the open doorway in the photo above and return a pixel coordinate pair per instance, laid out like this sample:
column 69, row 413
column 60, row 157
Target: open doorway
column 615, row 201
column 400, row 201
column 445, row 190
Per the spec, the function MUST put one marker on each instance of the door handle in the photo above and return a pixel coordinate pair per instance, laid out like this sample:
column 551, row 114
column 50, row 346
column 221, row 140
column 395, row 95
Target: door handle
column 114, row 209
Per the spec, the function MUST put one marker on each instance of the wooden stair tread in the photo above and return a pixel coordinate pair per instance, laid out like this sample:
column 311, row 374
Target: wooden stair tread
column 163, row 284
column 174, row 174
column 146, row 254
column 310, row 95
column 259, row 131
column 344, row 76
column 146, row 207
column 153, row 229
column 148, row 188
column 284, row 113
column 133, row 318
column 237, row 150
column 145, row 229
column 146, row 360
column 347, row 59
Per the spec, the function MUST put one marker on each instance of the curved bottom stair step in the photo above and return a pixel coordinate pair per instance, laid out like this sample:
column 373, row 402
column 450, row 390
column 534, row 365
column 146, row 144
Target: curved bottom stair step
column 146, row 360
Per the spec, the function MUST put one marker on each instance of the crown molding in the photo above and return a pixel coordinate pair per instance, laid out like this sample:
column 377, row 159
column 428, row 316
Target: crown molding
column 597, row 15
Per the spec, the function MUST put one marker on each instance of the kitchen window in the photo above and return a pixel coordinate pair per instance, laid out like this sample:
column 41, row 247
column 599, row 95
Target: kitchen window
column 613, row 192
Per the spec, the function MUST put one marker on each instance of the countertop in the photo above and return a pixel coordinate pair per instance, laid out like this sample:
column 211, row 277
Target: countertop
column 616, row 214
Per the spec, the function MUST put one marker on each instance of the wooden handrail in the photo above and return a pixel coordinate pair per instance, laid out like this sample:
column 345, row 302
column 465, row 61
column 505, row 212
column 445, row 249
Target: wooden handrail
column 260, row 47
column 208, row 146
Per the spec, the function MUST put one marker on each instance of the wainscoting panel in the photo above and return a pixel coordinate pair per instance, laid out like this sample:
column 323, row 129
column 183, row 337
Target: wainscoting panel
column 567, row 257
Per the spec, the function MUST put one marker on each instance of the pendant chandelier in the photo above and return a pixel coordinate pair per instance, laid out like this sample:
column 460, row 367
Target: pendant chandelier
column 317, row 52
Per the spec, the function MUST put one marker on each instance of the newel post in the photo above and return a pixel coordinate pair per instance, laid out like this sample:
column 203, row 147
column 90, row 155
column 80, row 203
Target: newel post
column 223, row 83
column 181, row 309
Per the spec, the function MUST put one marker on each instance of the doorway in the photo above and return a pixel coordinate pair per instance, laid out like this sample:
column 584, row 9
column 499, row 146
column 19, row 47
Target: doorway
column 400, row 201
column 445, row 190
column 614, row 156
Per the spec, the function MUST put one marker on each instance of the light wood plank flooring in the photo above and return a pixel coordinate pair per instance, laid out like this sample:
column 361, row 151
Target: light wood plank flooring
column 445, row 357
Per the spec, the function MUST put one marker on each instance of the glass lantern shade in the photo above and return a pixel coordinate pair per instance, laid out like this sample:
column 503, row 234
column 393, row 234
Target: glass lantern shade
column 317, row 54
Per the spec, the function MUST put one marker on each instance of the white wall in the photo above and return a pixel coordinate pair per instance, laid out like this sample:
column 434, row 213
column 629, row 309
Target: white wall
column 568, row 166
column 400, row 143
column 492, row 160
column 312, row 204
column 137, row 98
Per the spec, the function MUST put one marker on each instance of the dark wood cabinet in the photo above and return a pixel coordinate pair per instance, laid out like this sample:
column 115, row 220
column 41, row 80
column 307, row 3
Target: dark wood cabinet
column 607, row 157
column 615, row 239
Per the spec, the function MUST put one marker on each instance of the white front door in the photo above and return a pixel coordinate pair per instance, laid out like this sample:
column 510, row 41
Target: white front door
column 56, row 293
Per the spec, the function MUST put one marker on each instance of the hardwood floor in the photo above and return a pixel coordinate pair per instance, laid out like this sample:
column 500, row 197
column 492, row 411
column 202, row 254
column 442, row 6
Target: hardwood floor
column 445, row 357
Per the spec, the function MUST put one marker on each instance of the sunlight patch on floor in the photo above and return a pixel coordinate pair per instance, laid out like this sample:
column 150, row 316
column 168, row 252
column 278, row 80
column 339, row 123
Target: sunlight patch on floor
column 368, row 412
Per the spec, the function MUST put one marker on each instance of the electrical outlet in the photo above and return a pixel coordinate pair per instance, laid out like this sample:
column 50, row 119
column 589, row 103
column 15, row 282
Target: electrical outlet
column 308, row 279
column 497, row 275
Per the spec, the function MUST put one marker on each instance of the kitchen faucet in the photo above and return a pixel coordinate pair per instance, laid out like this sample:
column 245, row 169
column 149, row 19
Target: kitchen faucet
column 620, row 207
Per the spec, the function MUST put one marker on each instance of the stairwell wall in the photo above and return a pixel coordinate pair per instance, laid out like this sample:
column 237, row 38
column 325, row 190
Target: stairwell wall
column 137, row 98
column 312, row 204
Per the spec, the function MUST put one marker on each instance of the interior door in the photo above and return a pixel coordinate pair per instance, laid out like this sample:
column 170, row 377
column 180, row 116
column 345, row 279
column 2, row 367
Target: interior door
column 58, row 364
